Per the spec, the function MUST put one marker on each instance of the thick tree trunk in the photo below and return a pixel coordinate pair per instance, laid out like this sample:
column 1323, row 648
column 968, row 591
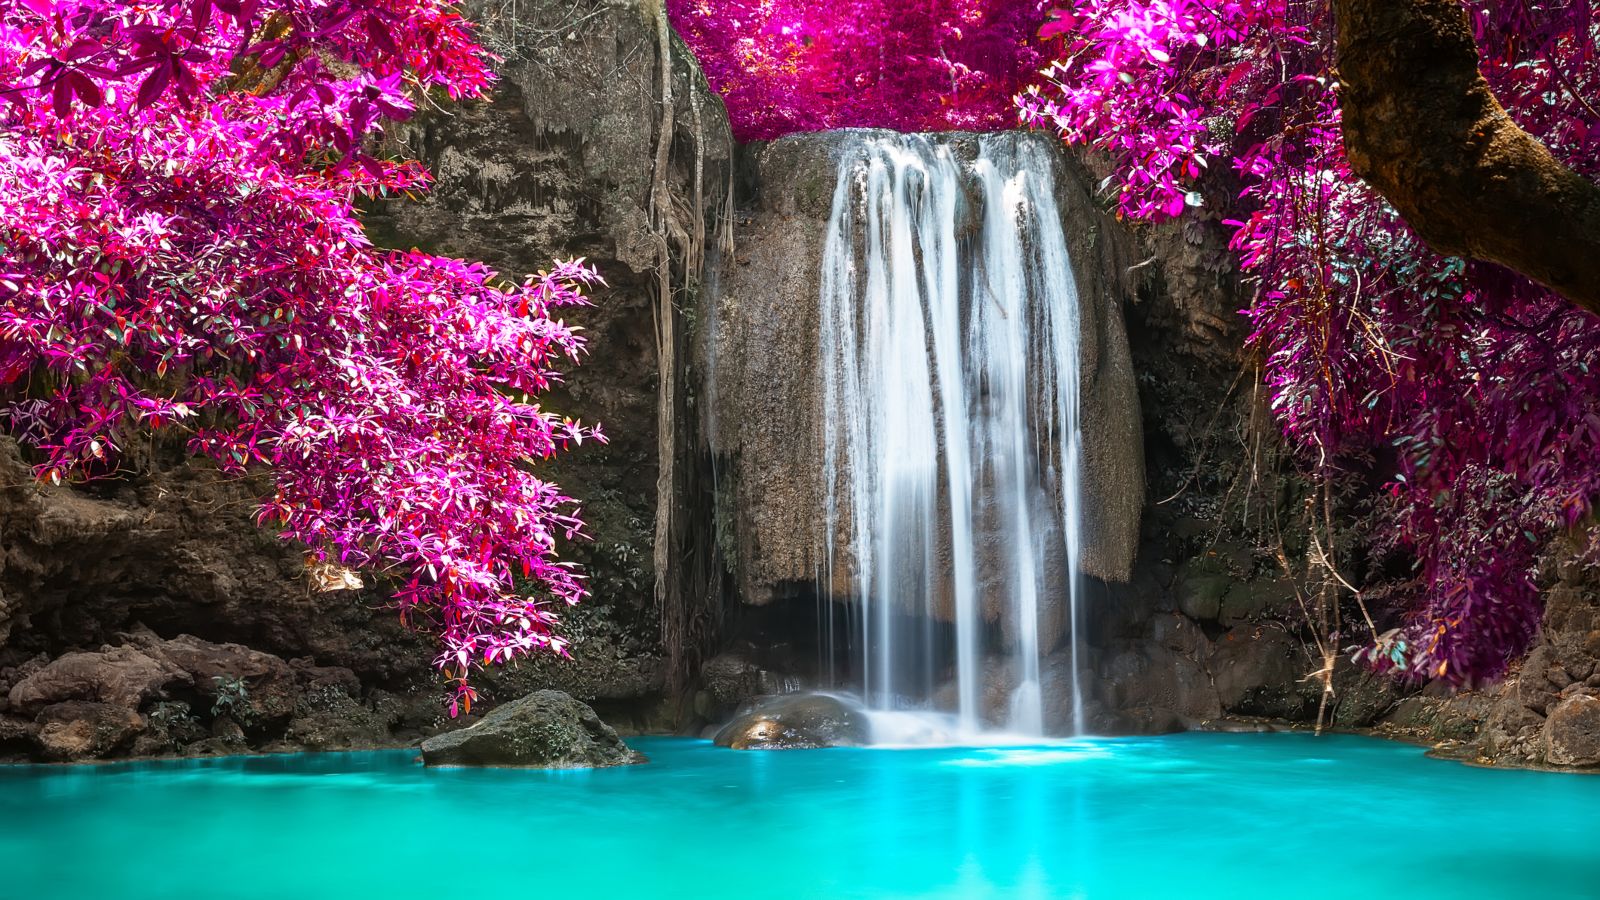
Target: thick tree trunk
column 1422, row 127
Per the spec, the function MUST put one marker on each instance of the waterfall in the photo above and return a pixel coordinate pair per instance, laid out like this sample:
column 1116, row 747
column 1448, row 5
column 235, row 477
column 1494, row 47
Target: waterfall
column 949, row 350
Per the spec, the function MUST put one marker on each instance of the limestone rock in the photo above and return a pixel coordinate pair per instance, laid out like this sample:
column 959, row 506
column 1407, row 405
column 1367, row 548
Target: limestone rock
column 600, row 669
column 1572, row 732
column 795, row 722
column 544, row 730
column 560, row 162
column 120, row 676
column 1362, row 697
column 1200, row 594
column 78, row 730
column 732, row 677
column 1544, row 712
column 1158, row 684
column 269, row 688
column 15, row 729
column 1440, row 719
column 327, row 718
column 176, row 547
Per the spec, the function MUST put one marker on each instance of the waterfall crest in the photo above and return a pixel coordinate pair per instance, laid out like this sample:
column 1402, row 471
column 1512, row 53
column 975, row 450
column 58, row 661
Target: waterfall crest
column 949, row 347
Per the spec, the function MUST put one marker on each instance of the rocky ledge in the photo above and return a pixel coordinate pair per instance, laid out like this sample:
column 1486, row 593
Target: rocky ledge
column 148, row 696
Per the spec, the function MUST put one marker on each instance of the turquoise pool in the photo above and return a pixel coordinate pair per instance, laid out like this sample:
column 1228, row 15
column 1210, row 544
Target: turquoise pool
column 1192, row 816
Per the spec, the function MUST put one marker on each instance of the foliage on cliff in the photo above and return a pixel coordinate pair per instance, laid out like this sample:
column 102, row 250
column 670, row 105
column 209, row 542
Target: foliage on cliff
column 179, row 248
column 1472, row 393
column 913, row 65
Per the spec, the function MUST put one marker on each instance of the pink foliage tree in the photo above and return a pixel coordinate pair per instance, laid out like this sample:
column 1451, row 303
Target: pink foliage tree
column 914, row 65
column 179, row 248
column 1473, row 393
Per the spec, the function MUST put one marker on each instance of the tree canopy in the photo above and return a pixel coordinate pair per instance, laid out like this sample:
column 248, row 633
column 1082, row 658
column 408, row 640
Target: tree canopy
column 178, row 181
column 1470, row 392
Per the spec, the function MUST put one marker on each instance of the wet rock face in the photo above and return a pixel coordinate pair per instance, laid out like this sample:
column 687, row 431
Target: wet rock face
column 795, row 722
column 561, row 163
column 544, row 730
column 760, row 355
column 1154, row 686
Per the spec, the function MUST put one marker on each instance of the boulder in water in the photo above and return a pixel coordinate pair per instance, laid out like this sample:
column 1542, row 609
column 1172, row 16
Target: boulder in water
column 544, row 730
column 795, row 722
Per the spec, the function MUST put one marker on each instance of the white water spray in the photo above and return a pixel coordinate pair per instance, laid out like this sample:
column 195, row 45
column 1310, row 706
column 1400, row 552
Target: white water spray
column 949, row 348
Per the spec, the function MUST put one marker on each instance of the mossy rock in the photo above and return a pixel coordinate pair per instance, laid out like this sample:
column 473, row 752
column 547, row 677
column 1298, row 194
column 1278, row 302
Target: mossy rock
column 544, row 730
column 795, row 722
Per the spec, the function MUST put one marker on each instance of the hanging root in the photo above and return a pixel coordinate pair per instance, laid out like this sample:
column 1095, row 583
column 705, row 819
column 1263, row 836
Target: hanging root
column 688, row 614
column 661, row 223
column 1329, row 613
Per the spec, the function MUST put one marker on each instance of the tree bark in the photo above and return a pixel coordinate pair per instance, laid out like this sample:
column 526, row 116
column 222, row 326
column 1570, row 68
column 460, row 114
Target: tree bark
column 1422, row 127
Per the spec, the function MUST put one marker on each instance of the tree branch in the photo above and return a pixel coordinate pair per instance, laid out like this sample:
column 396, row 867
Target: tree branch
column 1423, row 128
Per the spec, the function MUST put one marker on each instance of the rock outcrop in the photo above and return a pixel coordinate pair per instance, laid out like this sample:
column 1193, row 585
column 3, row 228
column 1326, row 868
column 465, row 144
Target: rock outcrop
column 563, row 162
column 119, row 676
column 1572, row 732
column 150, row 696
column 78, row 730
column 544, row 730
column 795, row 722
column 174, row 547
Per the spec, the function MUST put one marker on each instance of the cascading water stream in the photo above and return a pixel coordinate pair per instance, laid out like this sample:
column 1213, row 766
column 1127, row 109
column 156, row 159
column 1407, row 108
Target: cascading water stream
column 949, row 348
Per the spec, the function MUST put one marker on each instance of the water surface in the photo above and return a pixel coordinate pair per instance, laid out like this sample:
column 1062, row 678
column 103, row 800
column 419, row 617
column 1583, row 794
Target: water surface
column 1192, row 816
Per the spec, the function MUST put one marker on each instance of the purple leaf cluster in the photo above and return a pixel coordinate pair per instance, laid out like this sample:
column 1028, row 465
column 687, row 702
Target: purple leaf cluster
column 1471, row 393
column 179, row 249
column 786, row 66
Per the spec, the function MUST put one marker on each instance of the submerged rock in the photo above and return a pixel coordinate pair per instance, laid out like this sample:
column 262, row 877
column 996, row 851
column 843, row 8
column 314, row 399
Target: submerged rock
column 544, row 730
column 795, row 722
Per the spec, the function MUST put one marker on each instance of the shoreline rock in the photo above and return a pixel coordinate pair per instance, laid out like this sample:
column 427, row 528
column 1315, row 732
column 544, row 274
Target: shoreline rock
column 544, row 730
